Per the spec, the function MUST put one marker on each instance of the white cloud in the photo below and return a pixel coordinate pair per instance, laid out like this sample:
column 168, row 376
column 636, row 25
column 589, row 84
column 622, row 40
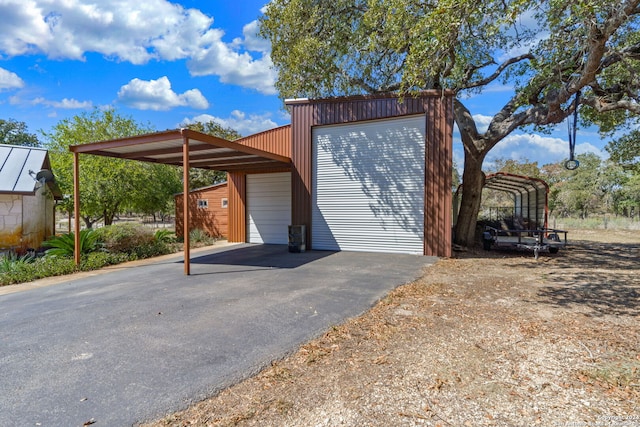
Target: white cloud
column 238, row 121
column 157, row 95
column 538, row 148
column 482, row 122
column 66, row 103
column 234, row 67
column 9, row 80
column 252, row 41
column 136, row 32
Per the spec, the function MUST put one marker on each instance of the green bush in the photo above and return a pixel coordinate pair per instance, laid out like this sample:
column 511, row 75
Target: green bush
column 98, row 260
column 197, row 235
column 22, row 272
column 12, row 262
column 165, row 236
column 125, row 237
column 64, row 245
column 135, row 240
column 119, row 243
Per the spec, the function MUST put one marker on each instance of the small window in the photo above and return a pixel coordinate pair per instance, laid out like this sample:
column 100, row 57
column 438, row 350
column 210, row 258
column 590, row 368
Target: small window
column 203, row 204
column 224, row 203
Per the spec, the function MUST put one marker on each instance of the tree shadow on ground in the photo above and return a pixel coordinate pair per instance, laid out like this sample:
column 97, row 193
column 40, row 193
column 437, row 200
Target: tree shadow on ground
column 599, row 278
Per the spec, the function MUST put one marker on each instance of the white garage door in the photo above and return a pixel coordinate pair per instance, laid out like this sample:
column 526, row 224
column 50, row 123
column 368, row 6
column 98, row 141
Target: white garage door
column 368, row 186
column 269, row 207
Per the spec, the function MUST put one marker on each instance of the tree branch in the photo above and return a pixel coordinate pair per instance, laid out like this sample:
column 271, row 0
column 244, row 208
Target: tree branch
column 602, row 106
column 498, row 71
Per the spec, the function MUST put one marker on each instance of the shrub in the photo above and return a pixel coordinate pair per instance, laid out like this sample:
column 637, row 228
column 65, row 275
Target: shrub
column 137, row 241
column 12, row 262
column 165, row 236
column 97, row 260
column 125, row 237
column 122, row 242
column 198, row 235
column 42, row 267
column 64, row 245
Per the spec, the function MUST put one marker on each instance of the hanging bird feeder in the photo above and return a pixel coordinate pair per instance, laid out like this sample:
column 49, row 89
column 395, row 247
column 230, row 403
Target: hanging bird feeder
column 572, row 163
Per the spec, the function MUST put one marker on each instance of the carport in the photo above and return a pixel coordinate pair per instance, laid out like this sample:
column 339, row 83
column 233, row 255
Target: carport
column 181, row 147
column 530, row 197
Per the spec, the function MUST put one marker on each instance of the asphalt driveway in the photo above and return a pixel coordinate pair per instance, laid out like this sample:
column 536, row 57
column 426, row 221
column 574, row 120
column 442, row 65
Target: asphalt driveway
column 131, row 345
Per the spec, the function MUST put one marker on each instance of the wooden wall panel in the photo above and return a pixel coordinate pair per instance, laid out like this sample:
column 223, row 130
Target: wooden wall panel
column 213, row 219
column 237, row 183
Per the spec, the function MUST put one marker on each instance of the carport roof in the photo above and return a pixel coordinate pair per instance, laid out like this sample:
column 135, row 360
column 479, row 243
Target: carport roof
column 516, row 184
column 205, row 151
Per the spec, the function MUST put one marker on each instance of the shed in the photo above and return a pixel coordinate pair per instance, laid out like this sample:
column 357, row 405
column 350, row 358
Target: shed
column 27, row 197
column 209, row 210
column 364, row 173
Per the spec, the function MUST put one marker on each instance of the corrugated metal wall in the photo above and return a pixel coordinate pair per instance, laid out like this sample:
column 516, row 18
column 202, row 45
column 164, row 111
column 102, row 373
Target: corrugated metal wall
column 276, row 141
column 368, row 186
column 268, row 204
column 438, row 107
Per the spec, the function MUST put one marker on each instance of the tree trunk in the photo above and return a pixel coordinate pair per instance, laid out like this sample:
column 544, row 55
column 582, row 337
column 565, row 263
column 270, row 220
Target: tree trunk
column 473, row 181
column 108, row 218
column 87, row 222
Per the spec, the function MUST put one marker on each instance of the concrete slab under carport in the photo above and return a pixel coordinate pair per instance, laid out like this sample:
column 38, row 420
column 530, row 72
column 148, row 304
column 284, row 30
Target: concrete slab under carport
column 133, row 344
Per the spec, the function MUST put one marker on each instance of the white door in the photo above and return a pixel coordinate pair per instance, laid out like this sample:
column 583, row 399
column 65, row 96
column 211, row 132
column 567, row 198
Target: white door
column 368, row 186
column 268, row 207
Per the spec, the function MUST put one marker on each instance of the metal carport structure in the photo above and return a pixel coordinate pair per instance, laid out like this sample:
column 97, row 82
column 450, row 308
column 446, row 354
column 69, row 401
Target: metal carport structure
column 181, row 147
column 530, row 197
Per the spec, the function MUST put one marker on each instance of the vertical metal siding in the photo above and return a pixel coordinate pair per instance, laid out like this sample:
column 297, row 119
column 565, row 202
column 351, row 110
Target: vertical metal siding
column 237, row 212
column 368, row 187
column 439, row 117
column 268, row 207
column 276, row 141
column 302, row 122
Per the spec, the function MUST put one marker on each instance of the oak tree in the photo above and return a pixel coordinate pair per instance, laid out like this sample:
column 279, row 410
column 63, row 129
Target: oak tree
column 548, row 52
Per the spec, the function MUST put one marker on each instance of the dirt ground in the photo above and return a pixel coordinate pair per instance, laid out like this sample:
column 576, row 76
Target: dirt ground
column 483, row 339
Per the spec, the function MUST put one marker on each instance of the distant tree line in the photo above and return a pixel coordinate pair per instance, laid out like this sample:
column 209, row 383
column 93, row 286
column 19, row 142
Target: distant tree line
column 598, row 186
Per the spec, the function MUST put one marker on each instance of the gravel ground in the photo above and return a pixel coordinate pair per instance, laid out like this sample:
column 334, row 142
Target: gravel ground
column 484, row 339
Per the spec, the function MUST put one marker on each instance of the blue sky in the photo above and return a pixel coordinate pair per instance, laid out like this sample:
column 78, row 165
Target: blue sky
column 169, row 63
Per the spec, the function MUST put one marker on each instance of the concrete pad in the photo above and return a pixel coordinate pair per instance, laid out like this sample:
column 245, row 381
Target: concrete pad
column 136, row 343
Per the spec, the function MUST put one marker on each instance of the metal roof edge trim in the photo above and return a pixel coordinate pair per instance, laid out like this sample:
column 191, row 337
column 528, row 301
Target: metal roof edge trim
column 368, row 97
column 521, row 177
column 213, row 140
column 125, row 141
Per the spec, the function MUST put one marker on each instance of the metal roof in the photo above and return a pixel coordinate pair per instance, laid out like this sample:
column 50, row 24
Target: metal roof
column 18, row 167
column 515, row 184
column 530, row 196
column 205, row 151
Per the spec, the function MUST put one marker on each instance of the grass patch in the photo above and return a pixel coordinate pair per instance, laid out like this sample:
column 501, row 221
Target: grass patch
column 616, row 374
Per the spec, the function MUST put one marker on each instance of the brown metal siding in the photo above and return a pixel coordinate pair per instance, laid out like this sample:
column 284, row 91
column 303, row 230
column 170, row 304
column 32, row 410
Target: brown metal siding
column 438, row 109
column 276, row 141
column 237, row 214
column 213, row 219
column 302, row 121
column 438, row 198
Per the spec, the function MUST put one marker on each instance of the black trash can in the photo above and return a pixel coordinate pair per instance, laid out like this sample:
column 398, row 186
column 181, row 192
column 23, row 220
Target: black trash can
column 297, row 238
